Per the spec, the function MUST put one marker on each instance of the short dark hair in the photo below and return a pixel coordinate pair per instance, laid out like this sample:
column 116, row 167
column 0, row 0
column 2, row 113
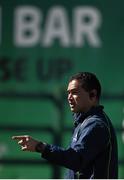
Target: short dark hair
column 88, row 81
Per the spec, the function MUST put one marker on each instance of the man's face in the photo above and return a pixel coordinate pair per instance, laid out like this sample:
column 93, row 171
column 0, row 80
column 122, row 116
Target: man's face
column 78, row 98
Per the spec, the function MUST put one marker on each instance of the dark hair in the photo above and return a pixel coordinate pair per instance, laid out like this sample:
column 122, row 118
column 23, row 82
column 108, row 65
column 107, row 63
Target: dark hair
column 88, row 81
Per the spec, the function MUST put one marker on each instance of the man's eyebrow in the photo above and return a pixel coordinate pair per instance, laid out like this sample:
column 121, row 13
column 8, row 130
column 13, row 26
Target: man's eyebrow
column 74, row 89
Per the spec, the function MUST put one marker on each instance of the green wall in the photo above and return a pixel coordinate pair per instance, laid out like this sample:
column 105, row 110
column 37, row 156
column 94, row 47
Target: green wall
column 41, row 45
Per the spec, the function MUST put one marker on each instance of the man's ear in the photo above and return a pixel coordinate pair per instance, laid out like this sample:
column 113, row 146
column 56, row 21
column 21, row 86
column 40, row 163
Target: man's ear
column 93, row 93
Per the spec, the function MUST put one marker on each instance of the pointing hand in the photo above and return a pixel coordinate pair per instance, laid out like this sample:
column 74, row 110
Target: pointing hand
column 26, row 142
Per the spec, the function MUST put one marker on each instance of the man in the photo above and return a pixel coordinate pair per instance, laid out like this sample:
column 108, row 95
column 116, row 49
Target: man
column 93, row 151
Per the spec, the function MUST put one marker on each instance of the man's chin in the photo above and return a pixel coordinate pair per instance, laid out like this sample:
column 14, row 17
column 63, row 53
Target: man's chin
column 73, row 110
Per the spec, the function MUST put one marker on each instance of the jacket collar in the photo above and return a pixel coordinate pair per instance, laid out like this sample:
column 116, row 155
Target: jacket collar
column 79, row 117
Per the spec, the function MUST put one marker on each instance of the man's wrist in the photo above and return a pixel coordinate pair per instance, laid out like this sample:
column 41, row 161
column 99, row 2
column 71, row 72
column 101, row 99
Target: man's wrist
column 40, row 147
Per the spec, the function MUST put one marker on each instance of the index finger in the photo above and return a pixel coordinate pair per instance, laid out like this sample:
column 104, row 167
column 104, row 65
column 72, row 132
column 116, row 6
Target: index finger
column 19, row 137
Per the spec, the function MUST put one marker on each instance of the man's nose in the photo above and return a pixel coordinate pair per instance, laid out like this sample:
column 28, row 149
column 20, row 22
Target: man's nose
column 69, row 96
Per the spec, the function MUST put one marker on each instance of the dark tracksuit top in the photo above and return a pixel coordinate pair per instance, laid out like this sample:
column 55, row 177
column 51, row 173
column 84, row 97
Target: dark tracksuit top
column 93, row 150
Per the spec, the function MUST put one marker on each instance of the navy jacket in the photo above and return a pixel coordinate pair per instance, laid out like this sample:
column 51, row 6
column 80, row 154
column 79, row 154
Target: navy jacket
column 93, row 150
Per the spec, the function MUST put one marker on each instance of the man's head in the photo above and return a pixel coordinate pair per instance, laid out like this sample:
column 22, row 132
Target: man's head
column 84, row 91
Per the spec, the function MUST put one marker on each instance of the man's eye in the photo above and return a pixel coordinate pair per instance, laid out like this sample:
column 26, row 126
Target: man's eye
column 75, row 92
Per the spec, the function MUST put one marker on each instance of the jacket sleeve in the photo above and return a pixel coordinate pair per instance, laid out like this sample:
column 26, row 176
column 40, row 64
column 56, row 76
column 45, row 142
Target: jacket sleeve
column 93, row 139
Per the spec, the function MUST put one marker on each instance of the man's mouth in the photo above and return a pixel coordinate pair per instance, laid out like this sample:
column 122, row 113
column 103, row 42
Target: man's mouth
column 71, row 105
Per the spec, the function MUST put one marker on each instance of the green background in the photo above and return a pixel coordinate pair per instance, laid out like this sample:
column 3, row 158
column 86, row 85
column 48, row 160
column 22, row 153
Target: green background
column 35, row 103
